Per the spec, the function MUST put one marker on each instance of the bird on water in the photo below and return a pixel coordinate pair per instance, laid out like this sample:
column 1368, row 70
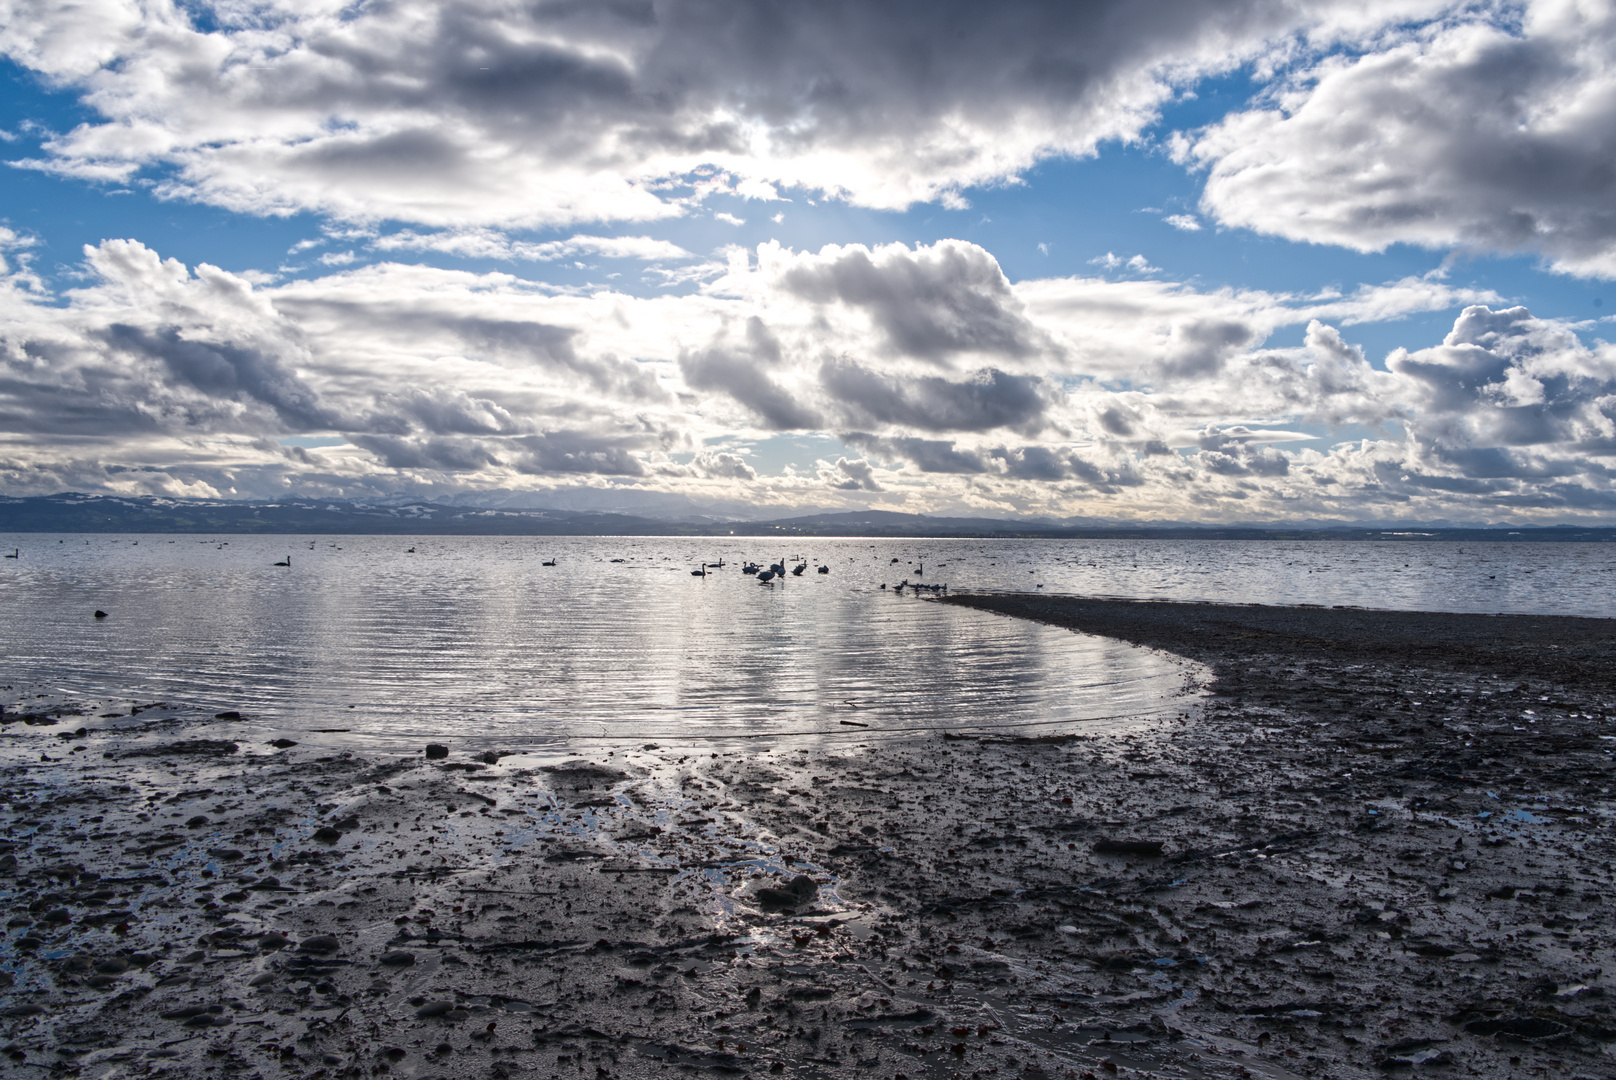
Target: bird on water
column 288, row 562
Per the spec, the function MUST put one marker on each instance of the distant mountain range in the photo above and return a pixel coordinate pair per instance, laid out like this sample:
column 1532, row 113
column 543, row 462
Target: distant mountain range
column 143, row 514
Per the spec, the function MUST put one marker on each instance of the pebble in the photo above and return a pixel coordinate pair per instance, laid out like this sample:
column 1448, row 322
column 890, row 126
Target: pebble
column 433, row 1008
column 262, row 980
column 228, row 714
column 115, row 965
column 434, row 751
column 327, row 835
column 320, row 943
column 398, row 958
column 282, row 744
column 274, row 941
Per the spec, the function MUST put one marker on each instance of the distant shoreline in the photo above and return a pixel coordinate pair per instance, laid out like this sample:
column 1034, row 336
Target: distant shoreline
column 91, row 514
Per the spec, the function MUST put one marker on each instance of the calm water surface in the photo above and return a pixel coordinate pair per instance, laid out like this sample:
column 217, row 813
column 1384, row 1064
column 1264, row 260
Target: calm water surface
column 472, row 638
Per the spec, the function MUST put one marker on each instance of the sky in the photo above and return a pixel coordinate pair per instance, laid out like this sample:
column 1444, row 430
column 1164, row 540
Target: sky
column 1220, row 261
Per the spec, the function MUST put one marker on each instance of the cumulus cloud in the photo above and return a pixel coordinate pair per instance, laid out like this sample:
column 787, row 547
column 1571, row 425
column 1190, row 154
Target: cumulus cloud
column 1142, row 397
column 933, row 303
column 481, row 113
column 1476, row 132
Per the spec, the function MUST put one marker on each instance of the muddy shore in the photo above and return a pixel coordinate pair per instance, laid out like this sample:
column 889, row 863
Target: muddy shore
column 1371, row 844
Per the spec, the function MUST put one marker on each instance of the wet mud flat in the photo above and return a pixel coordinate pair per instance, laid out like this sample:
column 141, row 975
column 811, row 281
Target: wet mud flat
column 1365, row 849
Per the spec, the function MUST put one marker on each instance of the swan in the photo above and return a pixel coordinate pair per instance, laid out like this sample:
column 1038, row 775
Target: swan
column 548, row 562
column 700, row 573
column 288, row 562
column 15, row 553
column 797, row 570
column 765, row 577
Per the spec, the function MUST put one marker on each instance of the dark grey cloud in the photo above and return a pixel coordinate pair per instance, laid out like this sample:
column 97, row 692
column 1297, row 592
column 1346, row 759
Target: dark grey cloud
column 989, row 399
column 436, row 453
column 932, row 303
column 741, row 370
column 485, row 111
column 233, row 372
column 1236, row 452
column 1200, row 347
column 927, row 455
column 553, row 452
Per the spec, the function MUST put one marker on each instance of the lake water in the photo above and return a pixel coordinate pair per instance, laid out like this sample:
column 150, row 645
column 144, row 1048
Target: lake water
column 472, row 639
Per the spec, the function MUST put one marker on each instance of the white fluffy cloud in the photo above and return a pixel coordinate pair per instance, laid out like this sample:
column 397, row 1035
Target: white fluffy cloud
column 495, row 113
column 1493, row 130
column 952, row 386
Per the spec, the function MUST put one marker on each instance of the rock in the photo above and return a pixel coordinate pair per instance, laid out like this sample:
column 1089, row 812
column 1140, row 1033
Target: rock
column 798, row 891
column 490, row 758
column 434, row 1008
column 100, row 614
column 327, row 835
column 274, row 941
column 59, row 915
column 114, row 965
column 194, row 957
column 1527, row 1029
column 266, row 883
column 29, row 941
column 228, row 714
column 1128, row 847
column 196, row 822
column 320, row 943
column 261, row 980
column 190, row 747
column 398, row 958
column 435, row 751
column 282, row 744
column 228, row 854
column 17, row 1012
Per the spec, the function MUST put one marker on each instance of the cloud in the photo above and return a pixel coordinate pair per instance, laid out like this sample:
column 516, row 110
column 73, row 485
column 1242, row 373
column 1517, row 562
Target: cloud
column 1184, row 222
column 492, row 244
column 483, row 113
column 741, row 370
column 1480, row 132
column 1137, row 264
column 1138, row 398
column 854, row 475
column 720, row 465
column 989, row 399
column 932, row 303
